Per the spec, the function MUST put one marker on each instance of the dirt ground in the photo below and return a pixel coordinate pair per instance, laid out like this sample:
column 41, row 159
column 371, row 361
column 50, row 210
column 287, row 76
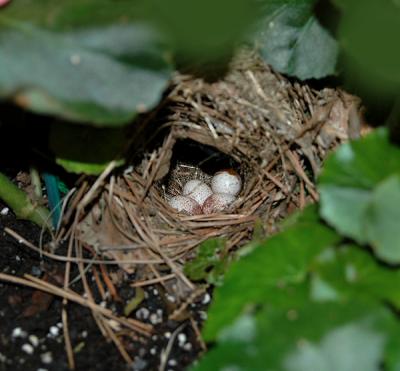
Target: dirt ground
column 31, row 331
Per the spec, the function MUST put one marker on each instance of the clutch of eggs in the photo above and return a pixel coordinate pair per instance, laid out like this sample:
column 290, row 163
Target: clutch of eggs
column 198, row 198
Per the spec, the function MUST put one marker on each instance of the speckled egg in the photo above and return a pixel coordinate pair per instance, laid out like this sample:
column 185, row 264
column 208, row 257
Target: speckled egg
column 217, row 202
column 197, row 190
column 185, row 205
column 226, row 181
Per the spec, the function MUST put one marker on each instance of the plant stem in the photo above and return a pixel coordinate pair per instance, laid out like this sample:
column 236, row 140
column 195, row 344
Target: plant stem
column 22, row 206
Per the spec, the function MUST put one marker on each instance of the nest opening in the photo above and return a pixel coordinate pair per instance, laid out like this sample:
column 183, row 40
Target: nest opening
column 193, row 160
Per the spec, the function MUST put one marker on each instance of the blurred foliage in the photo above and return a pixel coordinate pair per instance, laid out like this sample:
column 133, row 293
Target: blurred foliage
column 210, row 264
column 293, row 41
column 360, row 191
column 87, row 61
column 310, row 299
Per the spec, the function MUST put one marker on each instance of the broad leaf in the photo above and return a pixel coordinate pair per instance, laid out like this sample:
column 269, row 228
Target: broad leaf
column 76, row 61
column 294, row 42
column 353, row 273
column 383, row 220
column 302, row 335
column 360, row 189
column 278, row 261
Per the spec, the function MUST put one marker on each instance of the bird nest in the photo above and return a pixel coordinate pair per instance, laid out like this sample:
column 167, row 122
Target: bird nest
column 274, row 132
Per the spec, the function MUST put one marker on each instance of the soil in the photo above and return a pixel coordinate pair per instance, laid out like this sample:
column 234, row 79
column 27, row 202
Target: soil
column 31, row 331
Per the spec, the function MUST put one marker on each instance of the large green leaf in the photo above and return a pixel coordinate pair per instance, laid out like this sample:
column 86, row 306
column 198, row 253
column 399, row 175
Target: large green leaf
column 301, row 335
column 281, row 260
column 360, row 189
column 74, row 60
column 353, row 273
column 294, row 42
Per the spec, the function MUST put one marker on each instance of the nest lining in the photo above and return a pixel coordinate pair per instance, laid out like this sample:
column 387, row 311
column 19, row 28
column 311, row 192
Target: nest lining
column 275, row 133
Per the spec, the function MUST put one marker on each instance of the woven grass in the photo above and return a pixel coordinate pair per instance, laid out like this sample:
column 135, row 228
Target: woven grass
column 274, row 132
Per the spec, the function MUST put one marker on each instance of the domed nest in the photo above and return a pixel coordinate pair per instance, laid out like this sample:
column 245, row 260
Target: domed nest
column 274, row 132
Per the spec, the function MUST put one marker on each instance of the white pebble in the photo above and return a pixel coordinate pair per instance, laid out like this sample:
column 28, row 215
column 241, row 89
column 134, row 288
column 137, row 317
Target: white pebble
column 4, row 211
column 155, row 319
column 188, row 347
column 203, row 315
column 199, row 193
column 54, row 331
column 27, row 348
column 226, row 181
column 182, row 338
column 217, row 202
column 172, row 363
column 167, row 335
column 34, row 340
column 185, row 204
column 153, row 351
column 18, row 333
column 206, row 298
column 142, row 313
column 46, row 358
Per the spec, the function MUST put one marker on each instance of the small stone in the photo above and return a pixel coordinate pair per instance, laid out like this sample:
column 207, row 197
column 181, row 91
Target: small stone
column 172, row 363
column 167, row 335
column 155, row 319
column 54, row 331
column 203, row 315
column 182, row 338
column 153, row 351
column 34, row 340
column 171, row 298
column 139, row 364
column 27, row 348
column 155, row 292
column 206, row 298
column 142, row 313
column 46, row 358
column 188, row 347
column 4, row 211
column 18, row 333
column 36, row 271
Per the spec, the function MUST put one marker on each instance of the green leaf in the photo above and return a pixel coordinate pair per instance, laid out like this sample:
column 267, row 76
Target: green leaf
column 383, row 220
column 84, row 149
column 362, row 163
column 294, row 42
column 103, row 72
column 353, row 273
column 210, row 263
column 302, row 335
column 359, row 192
column 281, row 260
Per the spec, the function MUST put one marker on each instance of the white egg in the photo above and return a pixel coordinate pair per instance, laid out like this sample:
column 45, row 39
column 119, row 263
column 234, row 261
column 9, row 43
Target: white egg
column 190, row 186
column 226, row 181
column 197, row 190
column 217, row 202
column 185, row 204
